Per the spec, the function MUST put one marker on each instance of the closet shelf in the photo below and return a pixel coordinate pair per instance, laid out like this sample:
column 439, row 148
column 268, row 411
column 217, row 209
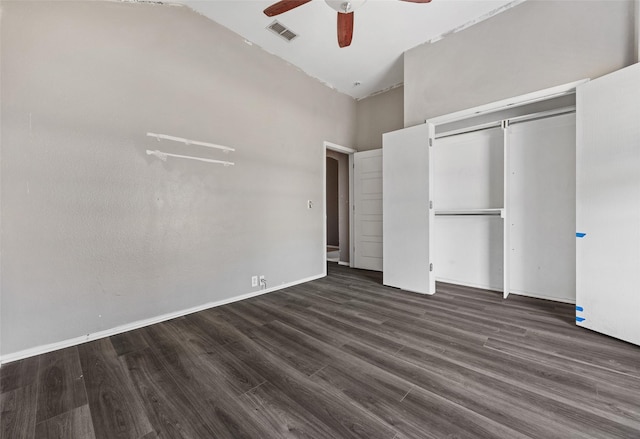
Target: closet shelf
column 478, row 212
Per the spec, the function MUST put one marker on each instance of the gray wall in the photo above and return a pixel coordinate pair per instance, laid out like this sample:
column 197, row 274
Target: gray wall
column 378, row 114
column 95, row 233
column 535, row 45
column 333, row 237
column 343, row 202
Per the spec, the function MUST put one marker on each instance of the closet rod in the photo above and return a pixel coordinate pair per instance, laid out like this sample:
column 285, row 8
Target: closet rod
column 473, row 129
column 512, row 120
column 163, row 156
column 542, row 95
column 543, row 115
column 471, row 212
column 190, row 142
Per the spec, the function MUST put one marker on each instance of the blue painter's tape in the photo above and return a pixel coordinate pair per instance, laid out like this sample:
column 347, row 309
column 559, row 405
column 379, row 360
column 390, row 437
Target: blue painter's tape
column 580, row 235
column 579, row 308
column 580, row 319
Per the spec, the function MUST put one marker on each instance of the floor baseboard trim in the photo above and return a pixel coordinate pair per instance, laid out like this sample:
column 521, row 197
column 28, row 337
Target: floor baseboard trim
column 20, row 355
column 540, row 296
column 515, row 293
column 346, row 264
column 470, row 284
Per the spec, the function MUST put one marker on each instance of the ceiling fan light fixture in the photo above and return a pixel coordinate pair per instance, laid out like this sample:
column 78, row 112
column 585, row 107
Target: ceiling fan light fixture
column 345, row 6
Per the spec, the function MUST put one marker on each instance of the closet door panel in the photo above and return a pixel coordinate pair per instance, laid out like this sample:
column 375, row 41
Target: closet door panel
column 608, row 204
column 406, row 195
column 542, row 217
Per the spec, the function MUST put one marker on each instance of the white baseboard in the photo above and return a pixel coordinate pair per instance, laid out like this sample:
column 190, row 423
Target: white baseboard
column 344, row 263
column 38, row 350
column 540, row 296
column 500, row 289
column 469, row 284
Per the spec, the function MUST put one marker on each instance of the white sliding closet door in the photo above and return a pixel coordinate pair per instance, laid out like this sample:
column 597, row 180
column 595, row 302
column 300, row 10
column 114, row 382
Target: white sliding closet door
column 407, row 217
column 608, row 205
column 542, row 193
column 367, row 214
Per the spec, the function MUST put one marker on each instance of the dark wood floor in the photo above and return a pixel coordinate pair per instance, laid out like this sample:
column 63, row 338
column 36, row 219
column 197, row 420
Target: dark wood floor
column 340, row 357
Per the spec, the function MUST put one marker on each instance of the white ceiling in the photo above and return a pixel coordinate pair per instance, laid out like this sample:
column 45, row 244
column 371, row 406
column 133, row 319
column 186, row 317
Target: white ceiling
column 383, row 31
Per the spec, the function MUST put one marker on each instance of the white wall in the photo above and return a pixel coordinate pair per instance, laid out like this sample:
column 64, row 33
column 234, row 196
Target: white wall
column 535, row 45
column 637, row 30
column 378, row 114
column 542, row 207
column 97, row 234
column 467, row 174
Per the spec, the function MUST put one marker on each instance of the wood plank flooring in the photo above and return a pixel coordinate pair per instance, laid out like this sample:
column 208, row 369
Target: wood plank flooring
column 340, row 357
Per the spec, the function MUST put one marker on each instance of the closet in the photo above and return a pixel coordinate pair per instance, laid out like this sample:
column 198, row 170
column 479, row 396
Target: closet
column 491, row 193
column 468, row 199
column 543, row 202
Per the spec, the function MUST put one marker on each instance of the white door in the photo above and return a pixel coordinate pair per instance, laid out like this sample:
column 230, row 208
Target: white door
column 407, row 216
column 608, row 205
column 367, row 213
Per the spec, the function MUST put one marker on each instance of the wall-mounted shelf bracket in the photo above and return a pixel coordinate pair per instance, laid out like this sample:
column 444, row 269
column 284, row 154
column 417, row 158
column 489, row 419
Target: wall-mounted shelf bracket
column 163, row 156
column 190, row 142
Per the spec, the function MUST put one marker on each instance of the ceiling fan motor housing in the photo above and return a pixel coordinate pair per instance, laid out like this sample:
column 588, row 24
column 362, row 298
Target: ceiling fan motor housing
column 345, row 6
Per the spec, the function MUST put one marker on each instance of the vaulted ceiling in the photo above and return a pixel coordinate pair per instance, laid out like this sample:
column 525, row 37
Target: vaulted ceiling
column 383, row 31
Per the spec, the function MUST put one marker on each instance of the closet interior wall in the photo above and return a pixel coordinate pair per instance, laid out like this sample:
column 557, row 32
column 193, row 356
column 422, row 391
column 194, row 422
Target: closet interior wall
column 468, row 188
column 504, row 199
column 542, row 207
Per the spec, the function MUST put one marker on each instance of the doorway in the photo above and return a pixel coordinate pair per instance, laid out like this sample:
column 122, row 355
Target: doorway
column 337, row 203
column 333, row 207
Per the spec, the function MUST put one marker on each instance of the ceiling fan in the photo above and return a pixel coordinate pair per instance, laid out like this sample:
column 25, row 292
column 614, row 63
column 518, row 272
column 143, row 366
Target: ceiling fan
column 345, row 14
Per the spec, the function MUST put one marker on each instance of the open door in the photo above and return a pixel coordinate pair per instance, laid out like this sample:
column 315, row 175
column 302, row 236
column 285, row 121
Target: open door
column 367, row 210
column 406, row 210
column 608, row 205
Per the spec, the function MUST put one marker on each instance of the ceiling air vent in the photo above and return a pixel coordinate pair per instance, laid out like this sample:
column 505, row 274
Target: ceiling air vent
column 282, row 31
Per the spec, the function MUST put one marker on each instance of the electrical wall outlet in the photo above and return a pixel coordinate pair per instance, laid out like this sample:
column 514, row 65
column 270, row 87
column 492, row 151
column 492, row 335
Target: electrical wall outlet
column 263, row 281
column 309, row 204
column 254, row 281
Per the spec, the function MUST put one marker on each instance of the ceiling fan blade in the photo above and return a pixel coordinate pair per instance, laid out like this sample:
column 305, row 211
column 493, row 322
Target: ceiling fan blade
column 416, row 1
column 283, row 6
column 345, row 29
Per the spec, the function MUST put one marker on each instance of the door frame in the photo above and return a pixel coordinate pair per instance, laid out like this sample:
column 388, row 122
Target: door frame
column 349, row 152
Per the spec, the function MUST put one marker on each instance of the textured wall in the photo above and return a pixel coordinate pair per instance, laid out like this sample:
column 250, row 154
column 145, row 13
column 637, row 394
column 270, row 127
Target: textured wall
column 95, row 233
column 535, row 45
column 376, row 115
